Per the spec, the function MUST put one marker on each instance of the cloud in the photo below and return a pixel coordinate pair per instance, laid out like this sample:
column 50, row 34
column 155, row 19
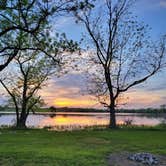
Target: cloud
column 159, row 88
column 163, row 3
column 66, row 92
column 63, row 21
column 144, row 99
column 71, row 80
column 164, row 97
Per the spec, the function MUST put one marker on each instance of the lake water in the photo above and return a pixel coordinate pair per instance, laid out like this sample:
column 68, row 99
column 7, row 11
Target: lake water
column 62, row 120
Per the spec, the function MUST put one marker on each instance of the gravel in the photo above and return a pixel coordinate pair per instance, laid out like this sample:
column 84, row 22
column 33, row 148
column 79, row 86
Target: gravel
column 136, row 159
column 145, row 158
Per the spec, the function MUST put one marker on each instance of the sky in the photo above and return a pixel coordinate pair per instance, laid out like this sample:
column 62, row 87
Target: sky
column 66, row 91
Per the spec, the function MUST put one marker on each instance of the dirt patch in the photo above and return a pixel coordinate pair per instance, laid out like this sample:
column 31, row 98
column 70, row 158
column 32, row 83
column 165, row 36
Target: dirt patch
column 121, row 159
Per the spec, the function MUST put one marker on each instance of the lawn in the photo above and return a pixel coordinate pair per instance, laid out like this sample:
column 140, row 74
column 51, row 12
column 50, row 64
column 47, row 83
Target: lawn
column 78, row 148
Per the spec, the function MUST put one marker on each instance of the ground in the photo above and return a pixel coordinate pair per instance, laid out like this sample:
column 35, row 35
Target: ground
column 78, row 148
column 121, row 159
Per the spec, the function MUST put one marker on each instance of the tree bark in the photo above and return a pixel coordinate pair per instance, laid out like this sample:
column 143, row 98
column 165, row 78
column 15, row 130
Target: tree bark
column 21, row 121
column 112, row 123
column 21, row 124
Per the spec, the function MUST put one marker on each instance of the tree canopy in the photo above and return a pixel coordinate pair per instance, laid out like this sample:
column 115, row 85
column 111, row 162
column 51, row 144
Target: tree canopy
column 122, row 54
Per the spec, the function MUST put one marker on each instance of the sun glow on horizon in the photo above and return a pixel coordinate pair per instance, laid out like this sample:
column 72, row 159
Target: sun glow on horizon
column 72, row 102
column 71, row 97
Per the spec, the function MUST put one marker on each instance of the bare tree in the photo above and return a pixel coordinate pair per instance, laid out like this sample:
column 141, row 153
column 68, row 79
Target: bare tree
column 122, row 53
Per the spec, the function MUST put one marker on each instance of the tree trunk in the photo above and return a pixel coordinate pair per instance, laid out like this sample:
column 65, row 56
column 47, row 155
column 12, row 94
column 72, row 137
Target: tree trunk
column 112, row 123
column 21, row 121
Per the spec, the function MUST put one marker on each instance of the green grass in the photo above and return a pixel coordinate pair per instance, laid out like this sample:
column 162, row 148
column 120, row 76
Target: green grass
column 77, row 148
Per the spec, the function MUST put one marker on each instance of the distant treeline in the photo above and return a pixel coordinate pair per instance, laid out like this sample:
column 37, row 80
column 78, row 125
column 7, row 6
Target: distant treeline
column 143, row 110
column 66, row 109
column 146, row 110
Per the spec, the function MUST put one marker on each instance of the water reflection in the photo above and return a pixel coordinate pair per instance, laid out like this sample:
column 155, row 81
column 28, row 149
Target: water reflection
column 83, row 120
column 74, row 120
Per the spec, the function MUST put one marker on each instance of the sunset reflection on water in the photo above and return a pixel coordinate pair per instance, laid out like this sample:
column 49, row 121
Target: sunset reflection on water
column 74, row 120
column 80, row 120
column 96, row 120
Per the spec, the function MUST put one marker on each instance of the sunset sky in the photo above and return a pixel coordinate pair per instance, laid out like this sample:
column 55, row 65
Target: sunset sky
column 66, row 90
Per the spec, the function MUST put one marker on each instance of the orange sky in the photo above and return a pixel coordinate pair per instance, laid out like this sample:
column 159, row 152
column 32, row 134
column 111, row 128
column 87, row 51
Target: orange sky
column 60, row 96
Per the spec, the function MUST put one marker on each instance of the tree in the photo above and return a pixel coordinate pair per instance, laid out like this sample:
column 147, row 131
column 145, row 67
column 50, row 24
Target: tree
column 31, row 68
column 122, row 54
column 163, row 106
column 31, row 73
column 30, row 17
column 25, row 39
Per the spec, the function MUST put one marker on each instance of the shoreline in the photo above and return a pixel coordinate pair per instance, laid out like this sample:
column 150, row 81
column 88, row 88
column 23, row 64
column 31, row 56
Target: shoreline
column 87, row 113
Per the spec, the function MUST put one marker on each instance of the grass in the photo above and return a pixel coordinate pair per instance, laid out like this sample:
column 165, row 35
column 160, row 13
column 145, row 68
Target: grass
column 77, row 148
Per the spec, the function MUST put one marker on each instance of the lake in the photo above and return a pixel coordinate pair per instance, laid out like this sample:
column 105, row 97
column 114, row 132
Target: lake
column 73, row 120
